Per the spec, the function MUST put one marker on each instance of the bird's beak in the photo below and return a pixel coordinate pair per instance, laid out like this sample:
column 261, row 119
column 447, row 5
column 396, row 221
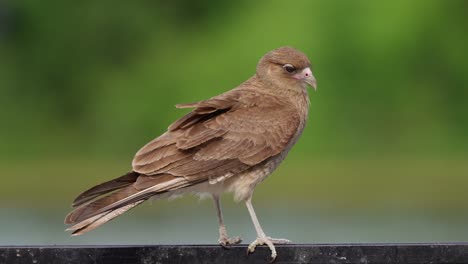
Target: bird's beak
column 312, row 82
column 307, row 76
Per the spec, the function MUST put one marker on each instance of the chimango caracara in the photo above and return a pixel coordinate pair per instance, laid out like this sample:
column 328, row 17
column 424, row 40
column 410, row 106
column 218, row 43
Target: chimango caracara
column 228, row 143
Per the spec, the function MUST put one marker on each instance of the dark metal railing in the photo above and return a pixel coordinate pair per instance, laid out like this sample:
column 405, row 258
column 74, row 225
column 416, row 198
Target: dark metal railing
column 441, row 253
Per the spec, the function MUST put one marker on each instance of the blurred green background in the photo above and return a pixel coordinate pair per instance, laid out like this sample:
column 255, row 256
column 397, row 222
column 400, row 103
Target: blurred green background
column 384, row 157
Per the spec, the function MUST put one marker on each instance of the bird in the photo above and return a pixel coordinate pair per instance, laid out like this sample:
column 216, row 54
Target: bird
column 226, row 144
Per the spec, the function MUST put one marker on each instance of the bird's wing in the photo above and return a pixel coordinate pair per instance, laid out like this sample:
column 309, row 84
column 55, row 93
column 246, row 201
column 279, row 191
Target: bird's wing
column 221, row 137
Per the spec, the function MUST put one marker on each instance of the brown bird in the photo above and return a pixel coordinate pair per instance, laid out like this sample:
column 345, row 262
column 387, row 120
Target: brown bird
column 228, row 143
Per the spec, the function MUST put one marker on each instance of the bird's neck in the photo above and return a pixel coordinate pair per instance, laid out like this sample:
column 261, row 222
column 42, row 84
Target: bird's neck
column 290, row 90
column 296, row 95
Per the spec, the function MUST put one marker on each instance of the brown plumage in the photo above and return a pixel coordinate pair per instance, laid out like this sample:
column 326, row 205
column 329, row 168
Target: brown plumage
column 230, row 142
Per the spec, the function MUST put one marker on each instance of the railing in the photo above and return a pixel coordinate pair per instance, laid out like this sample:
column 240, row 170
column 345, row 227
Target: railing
column 444, row 253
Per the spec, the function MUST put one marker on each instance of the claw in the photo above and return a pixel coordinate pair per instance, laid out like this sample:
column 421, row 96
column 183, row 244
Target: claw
column 280, row 240
column 269, row 242
column 228, row 241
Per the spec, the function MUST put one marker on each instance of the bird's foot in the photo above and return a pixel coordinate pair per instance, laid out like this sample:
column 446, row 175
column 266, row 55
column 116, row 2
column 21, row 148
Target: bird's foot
column 280, row 240
column 269, row 242
column 226, row 241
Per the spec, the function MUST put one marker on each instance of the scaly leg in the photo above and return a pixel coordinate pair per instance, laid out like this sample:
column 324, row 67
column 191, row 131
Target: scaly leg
column 224, row 239
column 262, row 239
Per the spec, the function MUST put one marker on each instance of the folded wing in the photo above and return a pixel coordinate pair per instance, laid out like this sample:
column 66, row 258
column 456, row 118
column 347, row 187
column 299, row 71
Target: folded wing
column 221, row 137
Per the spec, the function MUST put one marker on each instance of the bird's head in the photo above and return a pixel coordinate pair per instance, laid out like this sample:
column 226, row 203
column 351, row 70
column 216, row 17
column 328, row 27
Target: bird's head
column 286, row 66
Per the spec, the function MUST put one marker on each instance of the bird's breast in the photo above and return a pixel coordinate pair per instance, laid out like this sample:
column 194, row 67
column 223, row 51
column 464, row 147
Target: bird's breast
column 243, row 184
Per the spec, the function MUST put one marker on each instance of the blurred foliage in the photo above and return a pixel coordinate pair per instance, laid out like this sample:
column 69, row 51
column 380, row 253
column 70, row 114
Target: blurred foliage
column 98, row 79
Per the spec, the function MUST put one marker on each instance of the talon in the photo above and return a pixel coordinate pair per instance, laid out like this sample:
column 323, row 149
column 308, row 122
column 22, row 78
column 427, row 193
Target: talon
column 269, row 242
column 279, row 240
column 223, row 244
column 273, row 258
column 226, row 241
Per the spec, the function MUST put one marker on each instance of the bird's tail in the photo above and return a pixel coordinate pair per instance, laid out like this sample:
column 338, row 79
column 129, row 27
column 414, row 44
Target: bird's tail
column 108, row 200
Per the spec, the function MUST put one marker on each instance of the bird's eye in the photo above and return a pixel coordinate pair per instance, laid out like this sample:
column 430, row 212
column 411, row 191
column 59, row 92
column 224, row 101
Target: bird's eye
column 289, row 68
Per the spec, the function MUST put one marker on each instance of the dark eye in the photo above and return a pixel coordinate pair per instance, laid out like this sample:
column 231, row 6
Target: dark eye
column 289, row 68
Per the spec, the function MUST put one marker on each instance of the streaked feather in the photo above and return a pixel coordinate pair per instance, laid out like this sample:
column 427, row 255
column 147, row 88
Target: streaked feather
column 244, row 130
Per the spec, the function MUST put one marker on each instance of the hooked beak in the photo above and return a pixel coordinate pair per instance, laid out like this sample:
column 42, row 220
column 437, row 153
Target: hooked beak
column 307, row 76
column 311, row 81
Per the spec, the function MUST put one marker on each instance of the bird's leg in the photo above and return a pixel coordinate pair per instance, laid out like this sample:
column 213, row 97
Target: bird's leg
column 224, row 239
column 262, row 239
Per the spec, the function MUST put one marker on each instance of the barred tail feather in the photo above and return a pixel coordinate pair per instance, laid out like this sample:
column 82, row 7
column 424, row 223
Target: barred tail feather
column 100, row 219
column 108, row 200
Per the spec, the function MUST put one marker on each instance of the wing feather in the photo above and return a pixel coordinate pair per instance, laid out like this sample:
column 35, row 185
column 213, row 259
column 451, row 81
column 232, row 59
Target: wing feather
column 221, row 137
